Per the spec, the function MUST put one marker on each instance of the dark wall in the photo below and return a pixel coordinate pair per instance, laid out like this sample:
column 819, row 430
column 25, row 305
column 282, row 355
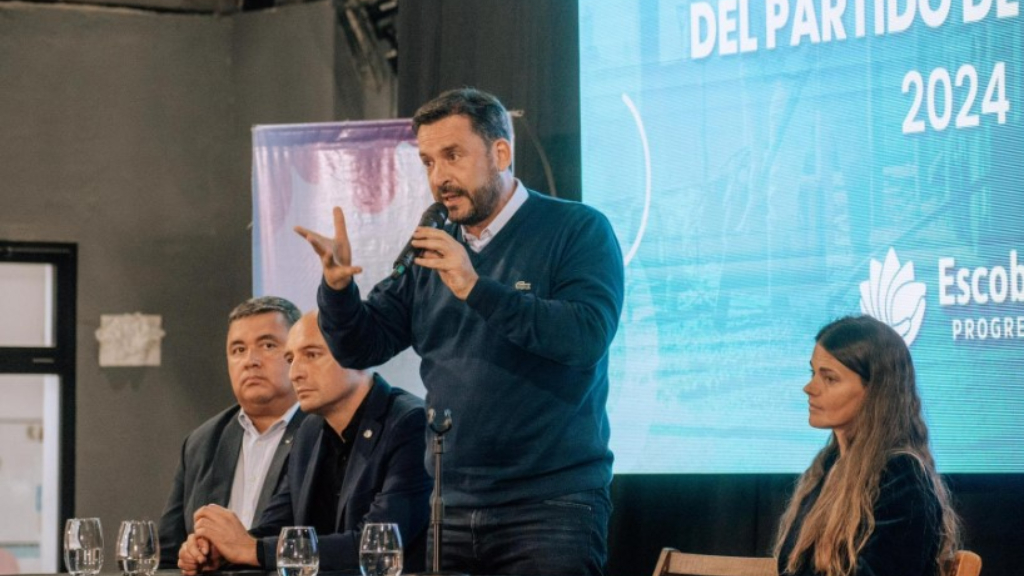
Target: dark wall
column 128, row 133
column 115, row 139
column 527, row 54
column 726, row 514
column 736, row 514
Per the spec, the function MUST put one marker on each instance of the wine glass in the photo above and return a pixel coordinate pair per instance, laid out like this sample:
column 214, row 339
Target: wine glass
column 83, row 546
column 298, row 553
column 380, row 550
column 138, row 547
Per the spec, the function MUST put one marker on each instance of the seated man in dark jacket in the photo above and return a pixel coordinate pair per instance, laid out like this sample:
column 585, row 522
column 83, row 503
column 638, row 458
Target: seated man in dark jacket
column 357, row 458
column 237, row 458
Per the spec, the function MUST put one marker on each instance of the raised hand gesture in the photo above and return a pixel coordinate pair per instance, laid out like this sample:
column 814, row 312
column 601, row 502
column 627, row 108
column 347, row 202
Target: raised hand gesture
column 335, row 253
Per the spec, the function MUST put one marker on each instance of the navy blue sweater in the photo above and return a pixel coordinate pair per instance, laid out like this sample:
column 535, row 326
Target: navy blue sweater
column 522, row 363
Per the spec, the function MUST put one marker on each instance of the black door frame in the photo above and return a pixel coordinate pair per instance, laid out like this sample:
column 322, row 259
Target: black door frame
column 58, row 360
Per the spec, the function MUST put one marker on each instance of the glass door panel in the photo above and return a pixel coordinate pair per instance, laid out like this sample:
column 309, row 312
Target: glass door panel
column 26, row 305
column 29, row 461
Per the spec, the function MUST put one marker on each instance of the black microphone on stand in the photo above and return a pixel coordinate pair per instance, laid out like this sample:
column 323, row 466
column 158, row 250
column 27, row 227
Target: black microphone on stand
column 434, row 217
column 439, row 426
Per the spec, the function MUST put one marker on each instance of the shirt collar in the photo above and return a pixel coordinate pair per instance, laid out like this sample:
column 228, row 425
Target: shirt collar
column 519, row 197
column 248, row 426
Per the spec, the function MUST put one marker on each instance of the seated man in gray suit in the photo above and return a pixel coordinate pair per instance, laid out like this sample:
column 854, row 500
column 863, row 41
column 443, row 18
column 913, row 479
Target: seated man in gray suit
column 357, row 458
column 237, row 458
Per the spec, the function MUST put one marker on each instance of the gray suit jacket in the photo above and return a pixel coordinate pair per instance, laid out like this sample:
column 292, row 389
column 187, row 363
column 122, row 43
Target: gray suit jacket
column 206, row 471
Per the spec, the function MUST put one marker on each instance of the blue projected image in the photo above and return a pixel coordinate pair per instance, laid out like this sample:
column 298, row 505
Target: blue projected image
column 772, row 165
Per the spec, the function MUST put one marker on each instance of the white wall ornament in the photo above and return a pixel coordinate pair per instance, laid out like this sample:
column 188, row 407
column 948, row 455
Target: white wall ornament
column 130, row 339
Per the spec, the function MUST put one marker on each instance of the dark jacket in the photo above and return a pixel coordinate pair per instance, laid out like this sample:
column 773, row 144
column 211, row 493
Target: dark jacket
column 206, row 471
column 908, row 522
column 385, row 481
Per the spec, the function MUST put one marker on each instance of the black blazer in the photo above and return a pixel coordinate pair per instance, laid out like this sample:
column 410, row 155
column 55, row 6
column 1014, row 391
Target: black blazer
column 385, row 481
column 206, row 471
column 908, row 525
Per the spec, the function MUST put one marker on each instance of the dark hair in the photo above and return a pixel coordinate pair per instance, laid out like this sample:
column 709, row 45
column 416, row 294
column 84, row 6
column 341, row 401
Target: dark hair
column 486, row 114
column 870, row 348
column 264, row 305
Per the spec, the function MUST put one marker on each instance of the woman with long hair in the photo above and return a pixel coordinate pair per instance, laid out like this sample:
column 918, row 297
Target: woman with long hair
column 871, row 504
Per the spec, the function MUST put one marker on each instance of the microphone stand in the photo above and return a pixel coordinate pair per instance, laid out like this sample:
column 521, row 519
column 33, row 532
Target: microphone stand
column 436, row 500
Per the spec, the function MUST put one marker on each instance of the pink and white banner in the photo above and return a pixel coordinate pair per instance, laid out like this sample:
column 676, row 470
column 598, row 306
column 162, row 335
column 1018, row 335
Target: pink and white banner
column 300, row 172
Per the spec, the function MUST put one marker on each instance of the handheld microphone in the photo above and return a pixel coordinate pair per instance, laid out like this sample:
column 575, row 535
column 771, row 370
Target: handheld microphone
column 434, row 217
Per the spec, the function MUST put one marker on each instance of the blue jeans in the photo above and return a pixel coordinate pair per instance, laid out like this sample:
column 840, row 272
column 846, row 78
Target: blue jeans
column 562, row 536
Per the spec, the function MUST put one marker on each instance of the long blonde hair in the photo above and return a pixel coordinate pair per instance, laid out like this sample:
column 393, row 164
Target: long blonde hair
column 839, row 523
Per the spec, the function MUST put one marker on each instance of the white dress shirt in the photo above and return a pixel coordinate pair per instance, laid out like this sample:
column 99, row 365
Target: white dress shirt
column 253, row 461
column 519, row 196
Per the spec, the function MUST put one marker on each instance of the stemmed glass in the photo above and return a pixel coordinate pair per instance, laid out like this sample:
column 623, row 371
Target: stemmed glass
column 138, row 547
column 83, row 546
column 380, row 550
column 298, row 553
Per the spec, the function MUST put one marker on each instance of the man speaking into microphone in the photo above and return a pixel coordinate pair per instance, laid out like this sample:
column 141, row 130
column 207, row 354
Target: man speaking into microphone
column 512, row 307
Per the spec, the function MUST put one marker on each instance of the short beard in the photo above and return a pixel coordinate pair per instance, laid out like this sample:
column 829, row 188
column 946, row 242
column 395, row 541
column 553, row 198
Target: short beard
column 483, row 201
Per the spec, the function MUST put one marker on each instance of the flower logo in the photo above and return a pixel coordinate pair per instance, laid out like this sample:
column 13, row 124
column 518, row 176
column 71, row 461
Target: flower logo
column 891, row 295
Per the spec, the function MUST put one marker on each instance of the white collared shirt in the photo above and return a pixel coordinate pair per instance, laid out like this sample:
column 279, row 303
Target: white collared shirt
column 253, row 461
column 519, row 197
